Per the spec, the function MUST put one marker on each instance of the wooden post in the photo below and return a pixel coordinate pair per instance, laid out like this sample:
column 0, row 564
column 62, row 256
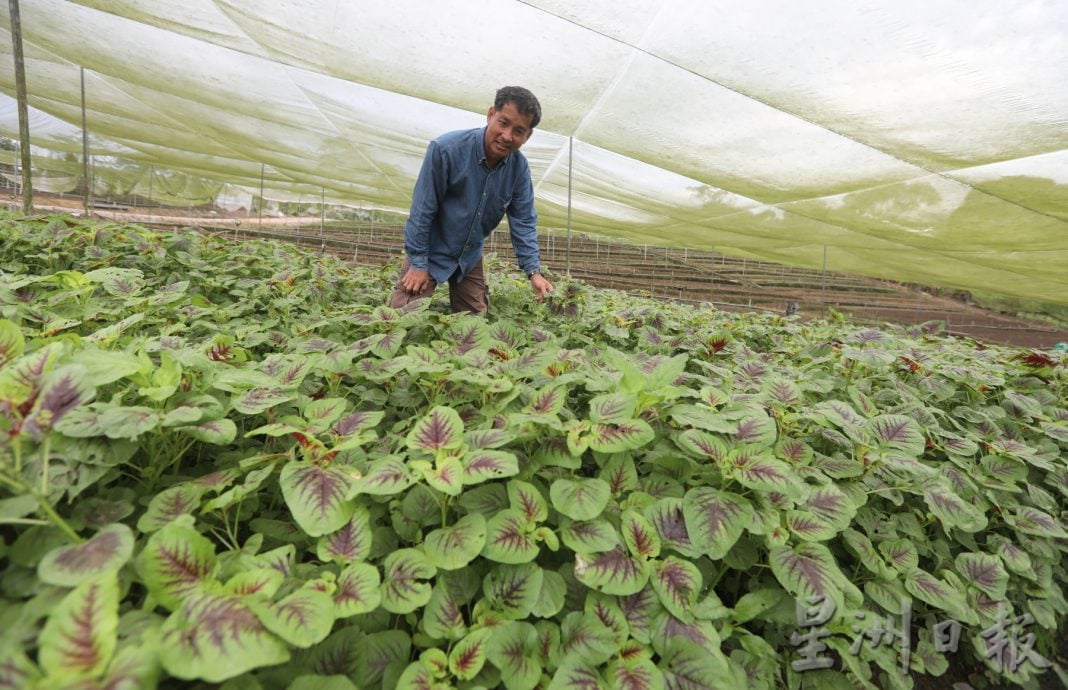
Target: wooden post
column 24, row 118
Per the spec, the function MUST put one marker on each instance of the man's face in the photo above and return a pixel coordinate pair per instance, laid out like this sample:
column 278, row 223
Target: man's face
column 506, row 130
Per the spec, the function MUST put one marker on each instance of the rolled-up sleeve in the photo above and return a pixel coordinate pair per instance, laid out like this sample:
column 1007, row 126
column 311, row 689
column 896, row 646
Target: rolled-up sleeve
column 426, row 197
column 523, row 225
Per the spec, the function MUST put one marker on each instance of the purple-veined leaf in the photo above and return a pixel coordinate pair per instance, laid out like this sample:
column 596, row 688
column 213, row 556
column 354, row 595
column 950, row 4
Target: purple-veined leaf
column 837, row 466
column 262, row 581
column 219, row 432
column 612, row 408
column 317, row 496
column 454, row 547
column 1033, row 521
column 217, row 481
column 128, row 422
column 487, row 499
column 641, row 674
column 358, row 590
column 783, row 391
column 69, row 566
column 957, row 445
column 338, row 654
column 403, row 586
column 181, row 499
column 443, row 615
column 320, row 414
column 118, row 282
column 441, row 429
column 481, row 439
column 259, row 400
column 1005, row 472
column 385, row 477
column 378, row 652
column 82, row 422
column 641, row 611
column 1016, row 559
column 286, row 370
column 829, row 503
column 807, row 570
column 1057, row 430
column 525, row 497
column 901, row 554
column 509, row 538
column 81, row 633
column 810, row 527
column 715, row 519
column 620, row 474
column 702, row 444
column 551, row 599
column 446, row 475
column 389, row 343
column 12, row 343
column 585, row 639
column 513, row 648
column 351, row 543
column 215, row 637
column 62, row 390
column 756, row 469
column 513, row 590
column 467, row 333
column 468, row 656
column 253, row 480
column 580, row 499
column 897, row 432
column 936, row 593
column 617, row 437
column 639, row 535
column 281, row 559
column 548, row 651
column 793, row 450
column 984, row 572
column 356, row 423
column 677, row 583
column 483, row 465
column 579, row 675
column 302, row 619
column 177, row 562
column 546, row 402
column 590, row 536
column 889, row 593
column 951, row 509
column 701, row 417
column 689, row 666
column 612, row 572
column 756, row 428
column 607, row 610
column 1022, row 405
column 668, row 520
column 841, row 414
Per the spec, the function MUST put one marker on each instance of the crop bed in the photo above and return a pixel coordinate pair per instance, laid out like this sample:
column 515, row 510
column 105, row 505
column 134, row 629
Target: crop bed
column 227, row 463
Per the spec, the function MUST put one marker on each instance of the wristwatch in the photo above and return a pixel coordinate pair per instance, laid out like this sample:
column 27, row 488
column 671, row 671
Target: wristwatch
column 531, row 274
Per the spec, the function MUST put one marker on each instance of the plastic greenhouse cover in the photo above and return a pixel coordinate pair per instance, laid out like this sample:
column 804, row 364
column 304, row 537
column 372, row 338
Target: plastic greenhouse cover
column 918, row 140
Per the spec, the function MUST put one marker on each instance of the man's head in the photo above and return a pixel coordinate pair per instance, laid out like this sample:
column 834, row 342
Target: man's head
column 510, row 122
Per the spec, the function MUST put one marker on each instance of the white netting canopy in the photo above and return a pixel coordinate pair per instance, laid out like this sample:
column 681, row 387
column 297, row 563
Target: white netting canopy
column 920, row 140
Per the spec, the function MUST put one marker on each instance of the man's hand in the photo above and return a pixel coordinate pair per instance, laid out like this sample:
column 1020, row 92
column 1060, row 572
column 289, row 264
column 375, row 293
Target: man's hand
column 415, row 281
column 540, row 286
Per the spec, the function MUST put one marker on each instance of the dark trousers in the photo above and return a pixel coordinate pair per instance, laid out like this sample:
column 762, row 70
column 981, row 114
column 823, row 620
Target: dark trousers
column 469, row 294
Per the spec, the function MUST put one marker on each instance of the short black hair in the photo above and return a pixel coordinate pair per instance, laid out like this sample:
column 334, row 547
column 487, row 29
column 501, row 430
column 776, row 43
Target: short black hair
column 525, row 102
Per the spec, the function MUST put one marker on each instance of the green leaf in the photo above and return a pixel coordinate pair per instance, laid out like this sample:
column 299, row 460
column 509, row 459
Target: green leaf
column 177, row 562
column 128, row 422
column 164, row 380
column 349, row 544
column 321, row 682
column 585, row 639
column 263, row 581
column 510, row 538
column 901, row 553
column 214, row 637
column 441, row 429
column 666, row 516
column 612, row 572
column 218, row 432
column 454, row 547
column 12, row 343
column 320, row 414
column 106, row 552
column 577, row 675
column 259, row 400
column 358, row 590
column 104, row 366
column 756, row 428
column 897, row 432
column 715, row 519
column 551, row 599
column 755, row 469
column 700, row 417
column 182, row 499
column 525, row 497
column 935, row 592
column 443, row 616
column 385, row 477
column 81, row 633
column 807, row 571
column 591, row 536
column 513, row 590
column 403, row 586
column 483, row 465
column 617, row 437
column 1033, row 521
column 641, row 674
column 702, row 444
column 513, row 648
column 317, row 496
column 951, row 509
column 752, row 605
column 580, row 499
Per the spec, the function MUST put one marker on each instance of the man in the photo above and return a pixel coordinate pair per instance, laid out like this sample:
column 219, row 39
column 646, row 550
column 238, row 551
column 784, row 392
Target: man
column 469, row 180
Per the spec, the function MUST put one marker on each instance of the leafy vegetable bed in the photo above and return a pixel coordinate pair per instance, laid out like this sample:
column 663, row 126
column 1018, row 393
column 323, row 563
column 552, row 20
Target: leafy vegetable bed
column 227, row 463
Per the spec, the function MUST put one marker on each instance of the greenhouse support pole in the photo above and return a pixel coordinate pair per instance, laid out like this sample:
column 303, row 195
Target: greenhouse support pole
column 88, row 194
column 24, row 118
column 322, row 212
column 570, row 147
column 260, row 221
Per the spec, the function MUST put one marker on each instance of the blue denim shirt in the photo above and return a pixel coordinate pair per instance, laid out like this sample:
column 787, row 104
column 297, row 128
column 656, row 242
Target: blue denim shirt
column 458, row 201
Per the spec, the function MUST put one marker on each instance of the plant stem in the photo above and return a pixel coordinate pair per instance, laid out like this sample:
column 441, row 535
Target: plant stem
column 45, row 506
column 46, row 452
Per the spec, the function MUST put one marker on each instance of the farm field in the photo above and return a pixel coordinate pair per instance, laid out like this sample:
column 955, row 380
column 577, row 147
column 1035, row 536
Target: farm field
column 227, row 464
